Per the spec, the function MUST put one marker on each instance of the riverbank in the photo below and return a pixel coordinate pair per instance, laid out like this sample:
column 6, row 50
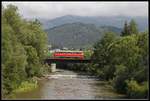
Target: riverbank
column 25, row 86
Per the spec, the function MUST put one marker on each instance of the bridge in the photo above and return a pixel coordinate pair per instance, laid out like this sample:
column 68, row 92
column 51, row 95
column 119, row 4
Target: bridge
column 54, row 61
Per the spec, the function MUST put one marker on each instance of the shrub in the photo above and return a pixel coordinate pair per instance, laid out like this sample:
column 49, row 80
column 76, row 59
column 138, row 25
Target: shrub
column 26, row 86
column 121, row 75
column 136, row 90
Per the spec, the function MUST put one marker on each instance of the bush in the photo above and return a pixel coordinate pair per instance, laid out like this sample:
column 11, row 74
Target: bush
column 121, row 75
column 135, row 90
column 26, row 86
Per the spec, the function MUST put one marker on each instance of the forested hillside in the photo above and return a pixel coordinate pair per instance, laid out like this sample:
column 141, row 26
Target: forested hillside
column 23, row 46
column 77, row 35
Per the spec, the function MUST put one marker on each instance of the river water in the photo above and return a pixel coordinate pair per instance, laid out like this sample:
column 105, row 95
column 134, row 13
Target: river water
column 65, row 84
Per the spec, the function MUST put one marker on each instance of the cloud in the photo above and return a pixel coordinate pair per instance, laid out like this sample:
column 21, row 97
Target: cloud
column 50, row 10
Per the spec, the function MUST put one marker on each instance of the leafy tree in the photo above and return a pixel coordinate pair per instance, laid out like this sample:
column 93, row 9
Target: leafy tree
column 133, row 27
column 33, row 62
column 123, row 59
column 129, row 29
column 102, row 57
column 130, row 56
column 125, row 29
column 121, row 75
column 13, row 59
column 23, row 45
column 37, row 38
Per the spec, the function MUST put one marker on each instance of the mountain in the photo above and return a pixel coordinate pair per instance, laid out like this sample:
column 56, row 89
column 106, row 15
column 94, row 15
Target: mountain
column 116, row 21
column 77, row 35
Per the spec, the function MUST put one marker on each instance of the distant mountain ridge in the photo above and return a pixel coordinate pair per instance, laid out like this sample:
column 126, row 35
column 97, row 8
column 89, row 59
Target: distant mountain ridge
column 83, row 31
column 116, row 21
column 77, row 35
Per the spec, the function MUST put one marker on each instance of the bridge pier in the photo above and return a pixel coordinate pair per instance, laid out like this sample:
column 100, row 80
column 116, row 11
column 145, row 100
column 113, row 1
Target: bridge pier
column 53, row 67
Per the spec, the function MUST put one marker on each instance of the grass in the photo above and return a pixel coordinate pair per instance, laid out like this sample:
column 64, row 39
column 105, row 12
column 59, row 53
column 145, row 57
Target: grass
column 26, row 86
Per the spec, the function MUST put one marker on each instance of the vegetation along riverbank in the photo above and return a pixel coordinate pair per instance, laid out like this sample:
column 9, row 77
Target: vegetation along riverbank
column 23, row 50
column 121, row 60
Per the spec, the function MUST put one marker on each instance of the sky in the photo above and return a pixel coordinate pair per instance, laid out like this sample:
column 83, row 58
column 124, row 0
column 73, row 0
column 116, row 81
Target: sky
column 51, row 10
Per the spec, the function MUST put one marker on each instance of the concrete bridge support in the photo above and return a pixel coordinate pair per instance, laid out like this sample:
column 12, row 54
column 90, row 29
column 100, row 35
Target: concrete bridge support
column 53, row 67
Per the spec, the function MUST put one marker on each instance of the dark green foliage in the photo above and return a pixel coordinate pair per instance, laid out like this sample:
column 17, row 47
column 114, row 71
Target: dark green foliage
column 33, row 62
column 130, row 29
column 133, row 27
column 136, row 90
column 121, row 75
column 23, row 45
column 78, row 67
column 125, row 29
column 121, row 59
column 87, row 54
column 102, row 55
column 129, row 55
column 13, row 57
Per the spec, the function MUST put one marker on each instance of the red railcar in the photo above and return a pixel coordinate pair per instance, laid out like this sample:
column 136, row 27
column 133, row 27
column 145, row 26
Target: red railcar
column 68, row 55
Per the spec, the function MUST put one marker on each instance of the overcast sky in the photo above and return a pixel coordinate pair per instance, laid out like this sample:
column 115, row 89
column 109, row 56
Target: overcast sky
column 50, row 10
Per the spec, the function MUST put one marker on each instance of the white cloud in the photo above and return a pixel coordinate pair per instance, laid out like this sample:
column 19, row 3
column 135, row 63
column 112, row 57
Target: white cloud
column 51, row 10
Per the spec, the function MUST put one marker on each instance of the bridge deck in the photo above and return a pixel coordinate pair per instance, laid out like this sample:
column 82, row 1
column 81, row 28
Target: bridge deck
column 53, row 60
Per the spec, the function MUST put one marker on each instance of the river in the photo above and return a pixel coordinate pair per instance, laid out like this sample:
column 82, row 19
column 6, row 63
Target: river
column 65, row 84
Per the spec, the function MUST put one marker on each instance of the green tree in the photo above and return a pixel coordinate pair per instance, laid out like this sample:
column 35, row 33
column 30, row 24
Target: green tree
column 39, row 39
column 125, row 29
column 123, row 59
column 102, row 56
column 33, row 62
column 23, row 46
column 133, row 27
column 129, row 61
column 13, row 58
